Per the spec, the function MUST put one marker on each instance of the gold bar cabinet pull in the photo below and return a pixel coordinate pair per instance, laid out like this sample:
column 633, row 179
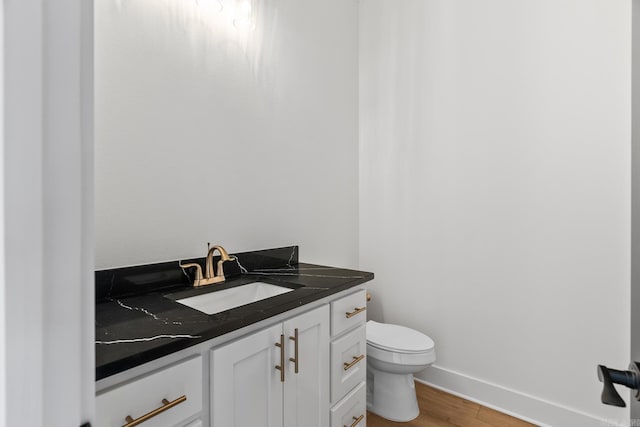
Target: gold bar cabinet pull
column 280, row 367
column 355, row 311
column 166, row 405
column 295, row 358
column 355, row 360
column 356, row 420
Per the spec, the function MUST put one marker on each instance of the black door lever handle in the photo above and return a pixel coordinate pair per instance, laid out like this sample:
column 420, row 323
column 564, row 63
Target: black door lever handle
column 609, row 377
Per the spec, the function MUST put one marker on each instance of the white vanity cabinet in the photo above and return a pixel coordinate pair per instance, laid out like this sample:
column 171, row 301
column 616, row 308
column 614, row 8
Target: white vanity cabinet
column 277, row 377
column 303, row 368
column 164, row 398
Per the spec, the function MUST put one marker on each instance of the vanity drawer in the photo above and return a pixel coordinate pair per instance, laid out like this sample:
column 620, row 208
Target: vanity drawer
column 348, row 312
column 348, row 362
column 352, row 410
column 146, row 394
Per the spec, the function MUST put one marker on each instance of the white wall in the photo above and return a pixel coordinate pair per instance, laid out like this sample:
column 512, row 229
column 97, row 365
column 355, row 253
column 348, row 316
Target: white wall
column 635, row 197
column 206, row 132
column 48, row 373
column 495, row 193
column 3, row 283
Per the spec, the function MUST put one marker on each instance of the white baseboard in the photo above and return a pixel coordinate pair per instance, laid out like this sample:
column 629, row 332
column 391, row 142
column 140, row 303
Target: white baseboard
column 511, row 402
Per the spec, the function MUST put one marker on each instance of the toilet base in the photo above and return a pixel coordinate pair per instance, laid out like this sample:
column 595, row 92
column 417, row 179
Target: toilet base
column 391, row 396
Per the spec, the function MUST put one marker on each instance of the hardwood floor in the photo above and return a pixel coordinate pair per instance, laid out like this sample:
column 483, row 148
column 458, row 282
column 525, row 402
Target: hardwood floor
column 440, row 409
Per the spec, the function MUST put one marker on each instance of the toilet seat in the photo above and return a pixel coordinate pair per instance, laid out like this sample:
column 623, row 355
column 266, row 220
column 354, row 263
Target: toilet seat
column 407, row 359
column 397, row 339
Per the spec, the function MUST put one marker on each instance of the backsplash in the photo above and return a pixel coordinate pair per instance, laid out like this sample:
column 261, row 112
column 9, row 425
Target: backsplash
column 138, row 280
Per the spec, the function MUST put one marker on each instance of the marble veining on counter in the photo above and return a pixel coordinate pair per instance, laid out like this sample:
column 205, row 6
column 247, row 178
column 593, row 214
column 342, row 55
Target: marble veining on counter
column 138, row 319
column 132, row 340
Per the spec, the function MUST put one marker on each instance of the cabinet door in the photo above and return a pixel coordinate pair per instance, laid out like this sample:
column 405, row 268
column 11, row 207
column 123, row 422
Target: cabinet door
column 245, row 386
column 306, row 393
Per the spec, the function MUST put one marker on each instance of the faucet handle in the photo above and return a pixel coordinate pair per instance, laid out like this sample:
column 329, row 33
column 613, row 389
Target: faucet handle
column 224, row 258
column 198, row 267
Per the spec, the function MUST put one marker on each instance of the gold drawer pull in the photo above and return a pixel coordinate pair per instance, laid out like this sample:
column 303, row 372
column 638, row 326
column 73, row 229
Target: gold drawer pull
column 280, row 367
column 355, row 360
column 355, row 311
column 356, row 421
column 166, row 405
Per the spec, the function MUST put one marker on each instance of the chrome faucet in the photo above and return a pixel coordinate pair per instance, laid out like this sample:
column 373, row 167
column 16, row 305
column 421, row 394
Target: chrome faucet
column 210, row 277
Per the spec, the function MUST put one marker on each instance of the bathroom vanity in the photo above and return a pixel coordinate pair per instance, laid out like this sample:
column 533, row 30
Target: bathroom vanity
column 294, row 359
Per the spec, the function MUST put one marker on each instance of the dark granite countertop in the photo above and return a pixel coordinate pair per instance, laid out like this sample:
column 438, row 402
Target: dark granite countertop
column 138, row 319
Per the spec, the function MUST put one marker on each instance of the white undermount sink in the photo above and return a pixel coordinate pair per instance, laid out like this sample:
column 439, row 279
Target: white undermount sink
column 217, row 301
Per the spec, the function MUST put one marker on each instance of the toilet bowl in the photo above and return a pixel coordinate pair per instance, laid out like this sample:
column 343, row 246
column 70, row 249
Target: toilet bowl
column 394, row 354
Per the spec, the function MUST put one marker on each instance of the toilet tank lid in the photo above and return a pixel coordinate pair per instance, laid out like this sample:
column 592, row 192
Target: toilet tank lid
column 397, row 338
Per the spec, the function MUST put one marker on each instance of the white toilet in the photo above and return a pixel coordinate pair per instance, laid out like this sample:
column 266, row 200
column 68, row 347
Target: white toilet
column 394, row 354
